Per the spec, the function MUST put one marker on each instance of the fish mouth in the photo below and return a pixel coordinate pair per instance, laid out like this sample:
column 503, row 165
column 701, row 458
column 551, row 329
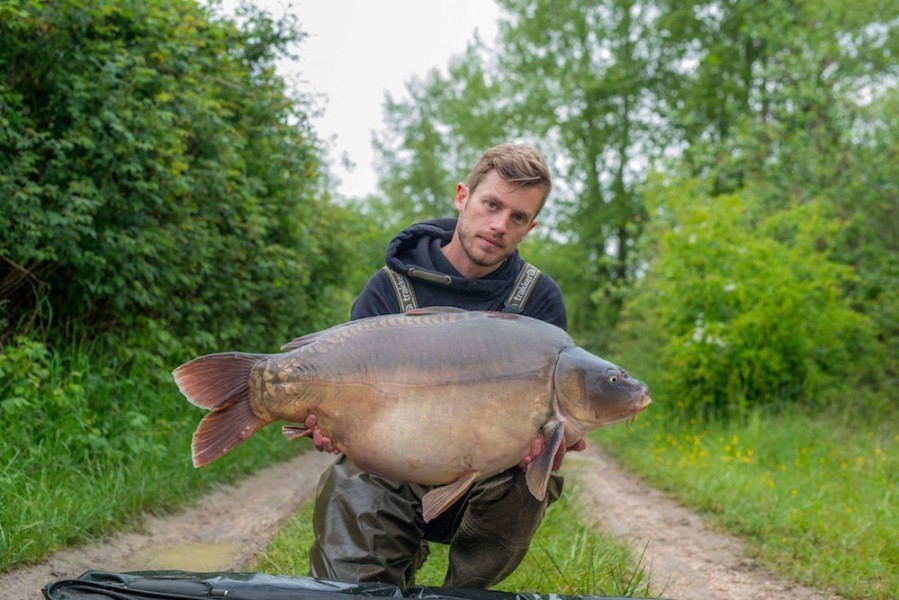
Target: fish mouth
column 626, row 415
column 642, row 403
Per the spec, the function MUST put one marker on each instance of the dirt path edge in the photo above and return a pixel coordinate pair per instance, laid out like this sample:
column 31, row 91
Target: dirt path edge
column 685, row 559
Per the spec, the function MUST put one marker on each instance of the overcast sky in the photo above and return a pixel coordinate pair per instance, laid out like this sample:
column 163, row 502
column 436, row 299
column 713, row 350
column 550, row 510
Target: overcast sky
column 357, row 50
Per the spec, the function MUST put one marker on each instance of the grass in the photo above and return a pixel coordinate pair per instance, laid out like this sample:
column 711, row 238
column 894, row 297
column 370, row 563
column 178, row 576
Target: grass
column 85, row 451
column 55, row 504
column 567, row 557
column 815, row 498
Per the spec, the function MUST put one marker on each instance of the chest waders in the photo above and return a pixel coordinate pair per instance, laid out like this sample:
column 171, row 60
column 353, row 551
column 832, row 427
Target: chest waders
column 370, row 529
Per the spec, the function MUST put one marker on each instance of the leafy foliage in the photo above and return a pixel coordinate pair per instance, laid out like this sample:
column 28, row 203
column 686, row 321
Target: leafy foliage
column 433, row 138
column 750, row 305
column 162, row 172
column 161, row 194
column 89, row 444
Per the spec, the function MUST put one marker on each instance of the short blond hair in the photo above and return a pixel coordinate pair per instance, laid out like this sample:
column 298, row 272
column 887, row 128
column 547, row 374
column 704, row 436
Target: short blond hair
column 515, row 163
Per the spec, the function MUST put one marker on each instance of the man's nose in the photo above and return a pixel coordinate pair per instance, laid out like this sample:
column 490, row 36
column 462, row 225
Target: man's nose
column 500, row 223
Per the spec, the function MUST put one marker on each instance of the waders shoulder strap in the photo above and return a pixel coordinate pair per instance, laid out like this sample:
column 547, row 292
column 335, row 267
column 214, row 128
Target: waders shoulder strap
column 518, row 297
column 521, row 291
column 405, row 295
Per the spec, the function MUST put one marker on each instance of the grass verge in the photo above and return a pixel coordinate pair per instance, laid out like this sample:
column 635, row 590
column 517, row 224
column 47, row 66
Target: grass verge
column 85, row 450
column 814, row 497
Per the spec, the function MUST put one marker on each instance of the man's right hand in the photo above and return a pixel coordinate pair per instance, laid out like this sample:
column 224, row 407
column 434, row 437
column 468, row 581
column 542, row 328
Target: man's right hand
column 537, row 447
column 321, row 442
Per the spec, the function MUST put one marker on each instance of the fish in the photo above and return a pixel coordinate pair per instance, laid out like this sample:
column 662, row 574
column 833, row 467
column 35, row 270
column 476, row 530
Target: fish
column 437, row 396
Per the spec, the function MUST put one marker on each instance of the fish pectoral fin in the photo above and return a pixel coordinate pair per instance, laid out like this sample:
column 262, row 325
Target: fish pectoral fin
column 292, row 432
column 540, row 469
column 439, row 499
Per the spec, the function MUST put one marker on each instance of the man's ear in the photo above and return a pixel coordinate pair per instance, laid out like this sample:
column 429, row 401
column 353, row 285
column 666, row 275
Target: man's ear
column 531, row 226
column 461, row 196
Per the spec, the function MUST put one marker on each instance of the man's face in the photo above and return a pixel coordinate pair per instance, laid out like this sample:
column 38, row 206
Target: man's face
column 494, row 219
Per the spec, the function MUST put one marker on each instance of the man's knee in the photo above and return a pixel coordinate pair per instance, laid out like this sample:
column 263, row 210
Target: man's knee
column 496, row 530
column 366, row 528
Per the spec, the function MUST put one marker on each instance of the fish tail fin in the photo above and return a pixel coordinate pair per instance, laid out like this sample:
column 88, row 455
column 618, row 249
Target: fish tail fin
column 224, row 429
column 220, row 383
column 214, row 380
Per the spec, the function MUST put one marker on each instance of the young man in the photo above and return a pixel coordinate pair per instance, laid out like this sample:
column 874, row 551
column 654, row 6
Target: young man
column 370, row 529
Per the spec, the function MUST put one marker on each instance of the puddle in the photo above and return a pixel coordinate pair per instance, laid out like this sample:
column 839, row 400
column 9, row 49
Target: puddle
column 190, row 557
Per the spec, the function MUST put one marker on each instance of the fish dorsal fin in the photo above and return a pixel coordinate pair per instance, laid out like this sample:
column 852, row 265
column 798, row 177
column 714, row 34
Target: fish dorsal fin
column 308, row 338
column 439, row 499
column 300, row 341
column 434, row 310
column 539, row 471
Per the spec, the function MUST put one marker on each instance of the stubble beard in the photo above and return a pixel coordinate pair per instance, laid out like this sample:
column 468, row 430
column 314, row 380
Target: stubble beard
column 469, row 241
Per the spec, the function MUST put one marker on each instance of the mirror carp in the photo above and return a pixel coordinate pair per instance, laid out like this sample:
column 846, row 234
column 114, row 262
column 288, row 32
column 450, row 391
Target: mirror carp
column 435, row 396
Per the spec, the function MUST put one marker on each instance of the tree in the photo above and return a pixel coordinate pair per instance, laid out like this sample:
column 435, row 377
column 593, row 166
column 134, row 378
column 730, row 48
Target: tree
column 156, row 169
column 576, row 79
column 779, row 100
column 769, row 82
column 435, row 135
column 795, row 102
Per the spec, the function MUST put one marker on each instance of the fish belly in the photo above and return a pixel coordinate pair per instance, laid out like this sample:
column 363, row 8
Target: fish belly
column 437, row 436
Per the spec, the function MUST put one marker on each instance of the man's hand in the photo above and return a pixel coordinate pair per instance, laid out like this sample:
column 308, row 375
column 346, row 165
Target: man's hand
column 321, row 443
column 537, row 448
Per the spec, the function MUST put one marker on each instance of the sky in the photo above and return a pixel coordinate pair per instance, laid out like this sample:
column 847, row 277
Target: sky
column 356, row 51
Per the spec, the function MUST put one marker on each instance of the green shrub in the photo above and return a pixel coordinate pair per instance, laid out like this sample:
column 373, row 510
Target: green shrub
column 163, row 171
column 746, row 305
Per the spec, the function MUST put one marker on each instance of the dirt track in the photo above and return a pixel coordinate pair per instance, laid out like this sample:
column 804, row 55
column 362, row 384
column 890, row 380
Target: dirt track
column 682, row 555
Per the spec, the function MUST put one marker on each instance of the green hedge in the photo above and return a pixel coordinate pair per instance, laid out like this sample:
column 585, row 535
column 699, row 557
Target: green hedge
column 157, row 168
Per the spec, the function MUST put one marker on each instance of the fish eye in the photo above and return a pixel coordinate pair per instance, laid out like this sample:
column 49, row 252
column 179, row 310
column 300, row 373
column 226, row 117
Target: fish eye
column 614, row 378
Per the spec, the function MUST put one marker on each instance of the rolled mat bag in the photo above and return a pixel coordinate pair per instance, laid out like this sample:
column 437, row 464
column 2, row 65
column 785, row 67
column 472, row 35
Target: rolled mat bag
column 181, row 585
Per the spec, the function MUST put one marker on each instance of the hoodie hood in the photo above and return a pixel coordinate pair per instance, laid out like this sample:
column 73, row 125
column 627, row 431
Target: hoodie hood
column 416, row 252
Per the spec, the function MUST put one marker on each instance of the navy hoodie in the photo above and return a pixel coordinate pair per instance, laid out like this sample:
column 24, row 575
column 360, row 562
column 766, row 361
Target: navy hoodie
column 415, row 252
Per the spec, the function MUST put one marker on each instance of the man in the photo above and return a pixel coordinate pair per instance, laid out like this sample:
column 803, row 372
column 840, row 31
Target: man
column 370, row 529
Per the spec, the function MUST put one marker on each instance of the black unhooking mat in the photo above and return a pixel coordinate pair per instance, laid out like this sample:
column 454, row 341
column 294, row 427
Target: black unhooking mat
column 181, row 585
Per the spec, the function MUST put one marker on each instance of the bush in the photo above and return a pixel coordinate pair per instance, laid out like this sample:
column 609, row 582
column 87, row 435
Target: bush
column 162, row 172
column 747, row 306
